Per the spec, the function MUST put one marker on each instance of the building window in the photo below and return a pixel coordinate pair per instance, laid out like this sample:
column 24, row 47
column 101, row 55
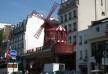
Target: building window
column 65, row 27
column 86, row 52
column 106, row 26
column 94, row 47
column 74, row 37
column 22, row 45
column 81, row 55
column 65, row 18
column 70, row 39
column 85, row 42
column 74, row 13
column 97, row 29
column 74, row 26
column 80, row 42
column 61, row 18
column 70, row 15
column 70, row 28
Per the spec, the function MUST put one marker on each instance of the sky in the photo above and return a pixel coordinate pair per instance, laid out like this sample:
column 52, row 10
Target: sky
column 14, row 11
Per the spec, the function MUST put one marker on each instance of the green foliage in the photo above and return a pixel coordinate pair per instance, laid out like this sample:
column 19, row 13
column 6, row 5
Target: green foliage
column 1, row 37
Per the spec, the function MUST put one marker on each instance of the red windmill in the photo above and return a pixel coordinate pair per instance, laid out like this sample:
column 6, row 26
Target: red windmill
column 55, row 36
column 48, row 26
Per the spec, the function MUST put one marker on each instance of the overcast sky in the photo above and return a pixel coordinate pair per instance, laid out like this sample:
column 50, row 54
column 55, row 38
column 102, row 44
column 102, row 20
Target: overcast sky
column 14, row 11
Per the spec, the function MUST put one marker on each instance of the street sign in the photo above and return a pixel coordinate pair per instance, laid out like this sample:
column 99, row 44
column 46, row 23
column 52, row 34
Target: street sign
column 13, row 54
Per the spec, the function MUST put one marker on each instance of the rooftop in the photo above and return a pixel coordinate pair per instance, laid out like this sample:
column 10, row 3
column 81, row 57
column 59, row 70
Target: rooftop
column 2, row 25
column 94, row 23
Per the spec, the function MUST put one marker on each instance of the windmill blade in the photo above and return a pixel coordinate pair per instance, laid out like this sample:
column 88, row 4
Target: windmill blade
column 55, row 5
column 49, row 15
column 38, row 33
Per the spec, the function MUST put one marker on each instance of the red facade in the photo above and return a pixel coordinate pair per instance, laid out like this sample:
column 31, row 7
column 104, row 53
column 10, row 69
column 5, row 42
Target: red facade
column 55, row 38
column 63, row 48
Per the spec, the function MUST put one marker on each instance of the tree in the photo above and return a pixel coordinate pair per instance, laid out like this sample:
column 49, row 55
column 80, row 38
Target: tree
column 1, row 38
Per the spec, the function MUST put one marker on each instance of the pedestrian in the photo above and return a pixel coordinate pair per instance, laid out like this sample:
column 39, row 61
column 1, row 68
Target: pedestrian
column 26, row 72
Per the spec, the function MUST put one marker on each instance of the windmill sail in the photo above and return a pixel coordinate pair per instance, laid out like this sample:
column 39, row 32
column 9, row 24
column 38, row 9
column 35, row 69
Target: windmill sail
column 49, row 15
column 38, row 33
